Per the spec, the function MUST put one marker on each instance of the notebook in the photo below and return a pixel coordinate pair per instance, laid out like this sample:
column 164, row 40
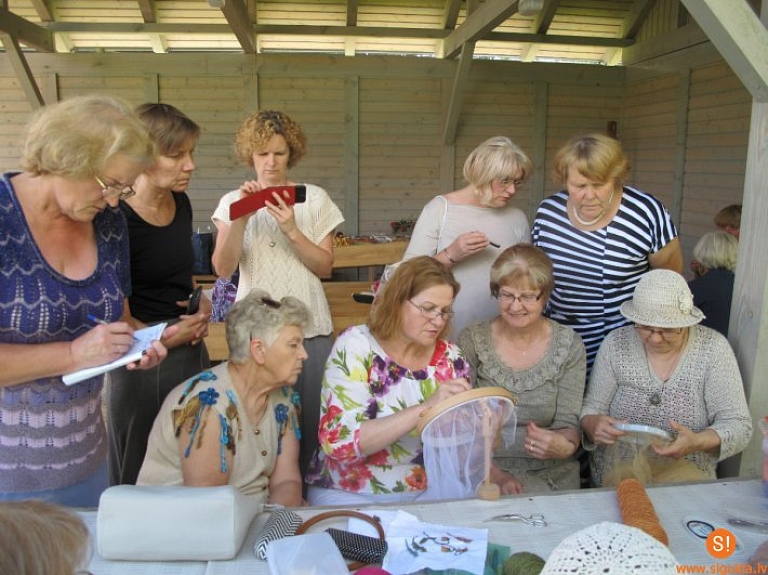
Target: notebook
column 143, row 339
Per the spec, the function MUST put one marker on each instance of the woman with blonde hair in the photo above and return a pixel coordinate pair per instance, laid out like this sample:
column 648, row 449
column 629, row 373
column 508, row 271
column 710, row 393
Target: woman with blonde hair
column 65, row 270
column 41, row 538
column 540, row 361
column 449, row 227
column 602, row 236
column 716, row 253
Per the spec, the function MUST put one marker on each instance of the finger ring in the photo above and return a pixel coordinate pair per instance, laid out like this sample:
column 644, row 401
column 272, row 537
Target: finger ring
column 532, row 445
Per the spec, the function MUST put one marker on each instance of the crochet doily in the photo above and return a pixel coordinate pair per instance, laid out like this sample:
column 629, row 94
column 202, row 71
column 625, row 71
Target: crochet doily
column 610, row 548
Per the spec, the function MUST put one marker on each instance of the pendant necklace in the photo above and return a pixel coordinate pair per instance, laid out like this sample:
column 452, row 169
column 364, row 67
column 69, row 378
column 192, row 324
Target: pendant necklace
column 599, row 216
column 655, row 397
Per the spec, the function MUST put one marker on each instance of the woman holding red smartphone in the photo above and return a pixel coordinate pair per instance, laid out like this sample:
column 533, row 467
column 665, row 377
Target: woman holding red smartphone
column 282, row 248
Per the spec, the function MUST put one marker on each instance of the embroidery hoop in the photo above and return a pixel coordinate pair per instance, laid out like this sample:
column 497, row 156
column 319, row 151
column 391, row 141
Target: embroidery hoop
column 355, row 565
column 457, row 457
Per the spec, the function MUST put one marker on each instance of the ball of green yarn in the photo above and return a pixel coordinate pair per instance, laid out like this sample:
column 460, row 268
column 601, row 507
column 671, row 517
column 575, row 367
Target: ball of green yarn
column 523, row 563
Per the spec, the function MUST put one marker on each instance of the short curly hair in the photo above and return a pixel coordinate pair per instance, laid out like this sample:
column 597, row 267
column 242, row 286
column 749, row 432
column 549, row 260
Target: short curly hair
column 256, row 130
column 257, row 315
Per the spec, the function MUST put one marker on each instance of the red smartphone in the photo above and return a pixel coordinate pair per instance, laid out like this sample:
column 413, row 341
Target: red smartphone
column 296, row 195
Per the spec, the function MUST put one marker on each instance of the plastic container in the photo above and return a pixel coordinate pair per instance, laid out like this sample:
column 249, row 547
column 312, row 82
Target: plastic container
column 764, row 429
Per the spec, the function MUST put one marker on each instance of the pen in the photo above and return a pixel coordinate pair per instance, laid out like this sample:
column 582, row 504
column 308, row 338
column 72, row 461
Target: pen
column 494, row 244
column 98, row 320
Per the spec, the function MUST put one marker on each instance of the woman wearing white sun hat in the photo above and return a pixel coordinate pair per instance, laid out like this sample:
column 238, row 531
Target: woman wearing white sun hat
column 668, row 372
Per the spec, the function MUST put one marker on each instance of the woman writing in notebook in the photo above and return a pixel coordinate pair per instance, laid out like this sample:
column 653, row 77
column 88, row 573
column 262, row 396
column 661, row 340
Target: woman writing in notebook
column 64, row 258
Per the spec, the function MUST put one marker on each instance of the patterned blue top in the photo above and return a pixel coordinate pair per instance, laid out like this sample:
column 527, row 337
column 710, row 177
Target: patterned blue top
column 51, row 435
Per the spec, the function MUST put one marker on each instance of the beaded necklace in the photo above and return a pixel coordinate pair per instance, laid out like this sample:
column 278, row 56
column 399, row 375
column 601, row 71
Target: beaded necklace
column 599, row 216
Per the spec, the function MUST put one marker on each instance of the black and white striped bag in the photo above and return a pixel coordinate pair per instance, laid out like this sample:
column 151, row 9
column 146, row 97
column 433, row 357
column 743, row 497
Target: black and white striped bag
column 282, row 523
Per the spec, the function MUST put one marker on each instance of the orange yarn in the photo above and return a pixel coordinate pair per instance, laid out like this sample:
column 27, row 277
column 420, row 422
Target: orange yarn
column 637, row 510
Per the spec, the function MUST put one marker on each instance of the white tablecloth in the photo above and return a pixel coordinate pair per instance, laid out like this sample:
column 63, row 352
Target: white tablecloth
column 565, row 513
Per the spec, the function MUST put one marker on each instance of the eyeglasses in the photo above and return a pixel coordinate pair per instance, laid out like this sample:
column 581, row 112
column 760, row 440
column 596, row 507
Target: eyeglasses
column 506, row 181
column 269, row 302
column 112, row 191
column 665, row 333
column 432, row 312
column 523, row 298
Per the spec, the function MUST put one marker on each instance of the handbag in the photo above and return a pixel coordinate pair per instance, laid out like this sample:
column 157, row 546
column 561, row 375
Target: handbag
column 282, row 523
column 360, row 549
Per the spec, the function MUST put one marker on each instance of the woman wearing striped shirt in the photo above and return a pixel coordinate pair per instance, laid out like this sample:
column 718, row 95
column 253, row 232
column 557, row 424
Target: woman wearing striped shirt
column 601, row 236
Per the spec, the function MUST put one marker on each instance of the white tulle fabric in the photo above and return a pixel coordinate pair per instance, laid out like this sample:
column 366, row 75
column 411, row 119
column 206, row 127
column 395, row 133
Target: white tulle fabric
column 458, row 441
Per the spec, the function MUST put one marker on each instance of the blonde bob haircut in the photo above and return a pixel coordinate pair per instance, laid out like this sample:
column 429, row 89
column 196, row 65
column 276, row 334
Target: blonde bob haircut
column 42, row 538
column 258, row 316
column 409, row 279
column 257, row 129
column 495, row 159
column 717, row 250
column 520, row 264
column 78, row 136
column 597, row 157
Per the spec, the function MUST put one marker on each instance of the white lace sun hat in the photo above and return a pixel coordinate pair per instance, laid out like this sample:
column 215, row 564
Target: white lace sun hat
column 662, row 299
column 610, row 549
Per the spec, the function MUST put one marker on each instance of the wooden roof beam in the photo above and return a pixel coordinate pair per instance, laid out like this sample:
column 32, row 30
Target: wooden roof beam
column 450, row 14
column 543, row 19
column 342, row 31
column 478, row 24
column 148, row 10
column 460, row 81
column 43, row 10
column 634, row 20
column 351, row 12
column 629, row 27
column 541, row 23
column 239, row 20
column 23, row 72
column 739, row 36
column 26, row 32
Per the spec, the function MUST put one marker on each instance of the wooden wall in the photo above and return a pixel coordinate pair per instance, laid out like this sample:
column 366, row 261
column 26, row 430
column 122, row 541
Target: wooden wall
column 686, row 135
column 375, row 124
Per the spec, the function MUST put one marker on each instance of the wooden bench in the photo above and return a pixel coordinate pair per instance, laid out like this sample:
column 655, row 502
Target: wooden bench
column 216, row 342
column 344, row 310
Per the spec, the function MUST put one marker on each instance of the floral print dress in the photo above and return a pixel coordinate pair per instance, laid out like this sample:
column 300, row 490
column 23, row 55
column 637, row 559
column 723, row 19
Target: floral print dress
column 362, row 383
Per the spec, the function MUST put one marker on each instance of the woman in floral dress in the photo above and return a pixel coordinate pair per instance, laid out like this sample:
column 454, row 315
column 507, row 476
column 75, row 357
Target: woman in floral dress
column 379, row 379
